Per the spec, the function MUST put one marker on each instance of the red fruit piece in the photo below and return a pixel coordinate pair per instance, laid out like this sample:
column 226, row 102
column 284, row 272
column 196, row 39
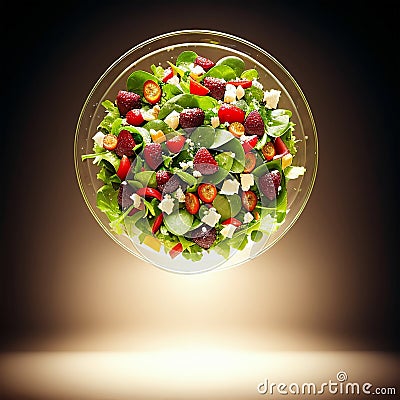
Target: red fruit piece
column 149, row 192
column 126, row 101
column 230, row 113
column 176, row 250
column 162, row 177
column 254, row 124
column 124, row 167
column 204, row 239
column 216, row 86
column 176, row 143
column 152, row 91
column 232, row 221
column 197, row 88
column 134, row 117
column 269, row 184
column 207, row 192
column 168, row 74
column 125, row 144
column 249, row 200
column 205, row 63
column 248, row 142
column 191, row 117
column 153, row 155
column 157, row 223
column 204, row 162
column 192, row 203
column 280, row 147
column 244, row 83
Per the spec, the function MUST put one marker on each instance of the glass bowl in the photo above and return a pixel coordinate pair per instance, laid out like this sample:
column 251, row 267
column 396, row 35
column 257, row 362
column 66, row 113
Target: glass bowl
column 213, row 45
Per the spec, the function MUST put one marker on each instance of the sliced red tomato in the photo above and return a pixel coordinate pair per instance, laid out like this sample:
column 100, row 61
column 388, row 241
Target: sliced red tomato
column 207, row 192
column 244, row 83
column 192, row 203
column 232, row 221
column 250, row 160
column 280, row 147
column 124, row 167
column 176, row 143
column 198, row 88
column 176, row 250
column 249, row 142
column 168, row 74
column 230, row 113
column 249, row 200
column 149, row 192
column 237, row 129
column 110, row 142
column 157, row 223
column 152, row 91
column 268, row 151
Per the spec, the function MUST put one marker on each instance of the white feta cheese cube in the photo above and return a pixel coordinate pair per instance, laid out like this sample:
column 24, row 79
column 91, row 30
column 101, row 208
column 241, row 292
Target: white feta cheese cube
column 167, row 204
column 228, row 230
column 229, row 97
column 239, row 92
column 98, row 138
column 230, row 186
column 136, row 200
column 197, row 70
column 172, row 119
column 211, row 217
column 248, row 217
column 246, row 181
column 271, row 98
column 180, row 196
column 215, row 122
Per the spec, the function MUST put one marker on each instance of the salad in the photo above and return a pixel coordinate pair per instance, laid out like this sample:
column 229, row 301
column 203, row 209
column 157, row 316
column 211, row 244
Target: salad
column 194, row 157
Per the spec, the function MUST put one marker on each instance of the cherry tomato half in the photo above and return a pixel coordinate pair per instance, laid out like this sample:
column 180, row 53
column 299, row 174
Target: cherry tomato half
column 192, row 203
column 249, row 200
column 124, row 167
column 250, row 160
column 207, row 192
column 110, row 142
column 152, row 91
column 268, row 151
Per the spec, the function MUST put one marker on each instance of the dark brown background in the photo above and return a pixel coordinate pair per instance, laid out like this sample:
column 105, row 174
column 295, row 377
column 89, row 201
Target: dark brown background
column 331, row 283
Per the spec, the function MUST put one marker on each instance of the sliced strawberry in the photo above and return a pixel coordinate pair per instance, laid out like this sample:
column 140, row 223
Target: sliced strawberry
column 127, row 101
column 124, row 167
column 192, row 203
column 168, row 74
column 249, row 200
column 153, row 155
column 176, row 250
column 134, row 117
column 204, row 162
column 248, row 142
column 232, row 221
column 280, row 147
column 207, row 192
column 197, row 88
column 176, row 143
column 157, row 223
column 230, row 113
column 244, row 83
column 205, row 63
column 152, row 91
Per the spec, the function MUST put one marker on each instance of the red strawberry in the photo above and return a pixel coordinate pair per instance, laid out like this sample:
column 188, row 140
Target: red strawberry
column 162, row 177
column 205, row 63
column 248, row 142
column 204, row 239
column 176, row 143
column 125, row 144
column 191, row 117
column 230, row 113
column 153, row 155
column 134, row 117
column 269, row 184
column 204, row 162
column 126, row 101
column 216, row 86
column 254, row 124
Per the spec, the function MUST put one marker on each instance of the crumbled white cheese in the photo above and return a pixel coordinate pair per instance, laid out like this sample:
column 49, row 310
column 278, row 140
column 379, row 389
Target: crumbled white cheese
column 167, row 204
column 228, row 230
column 215, row 122
column 230, row 186
column 271, row 98
column 233, row 155
column 257, row 84
column 174, row 80
column 211, row 217
column 197, row 174
column 190, row 163
column 197, row 70
column 184, row 165
column 98, row 138
column 180, row 195
column 239, row 92
column 230, row 93
column 248, row 217
column 136, row 200
column 172, row 119
column 246, row 180
column 203, row 229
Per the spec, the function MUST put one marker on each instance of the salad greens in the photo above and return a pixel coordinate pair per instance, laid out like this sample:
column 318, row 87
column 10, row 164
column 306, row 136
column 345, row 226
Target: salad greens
column 200, row 160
